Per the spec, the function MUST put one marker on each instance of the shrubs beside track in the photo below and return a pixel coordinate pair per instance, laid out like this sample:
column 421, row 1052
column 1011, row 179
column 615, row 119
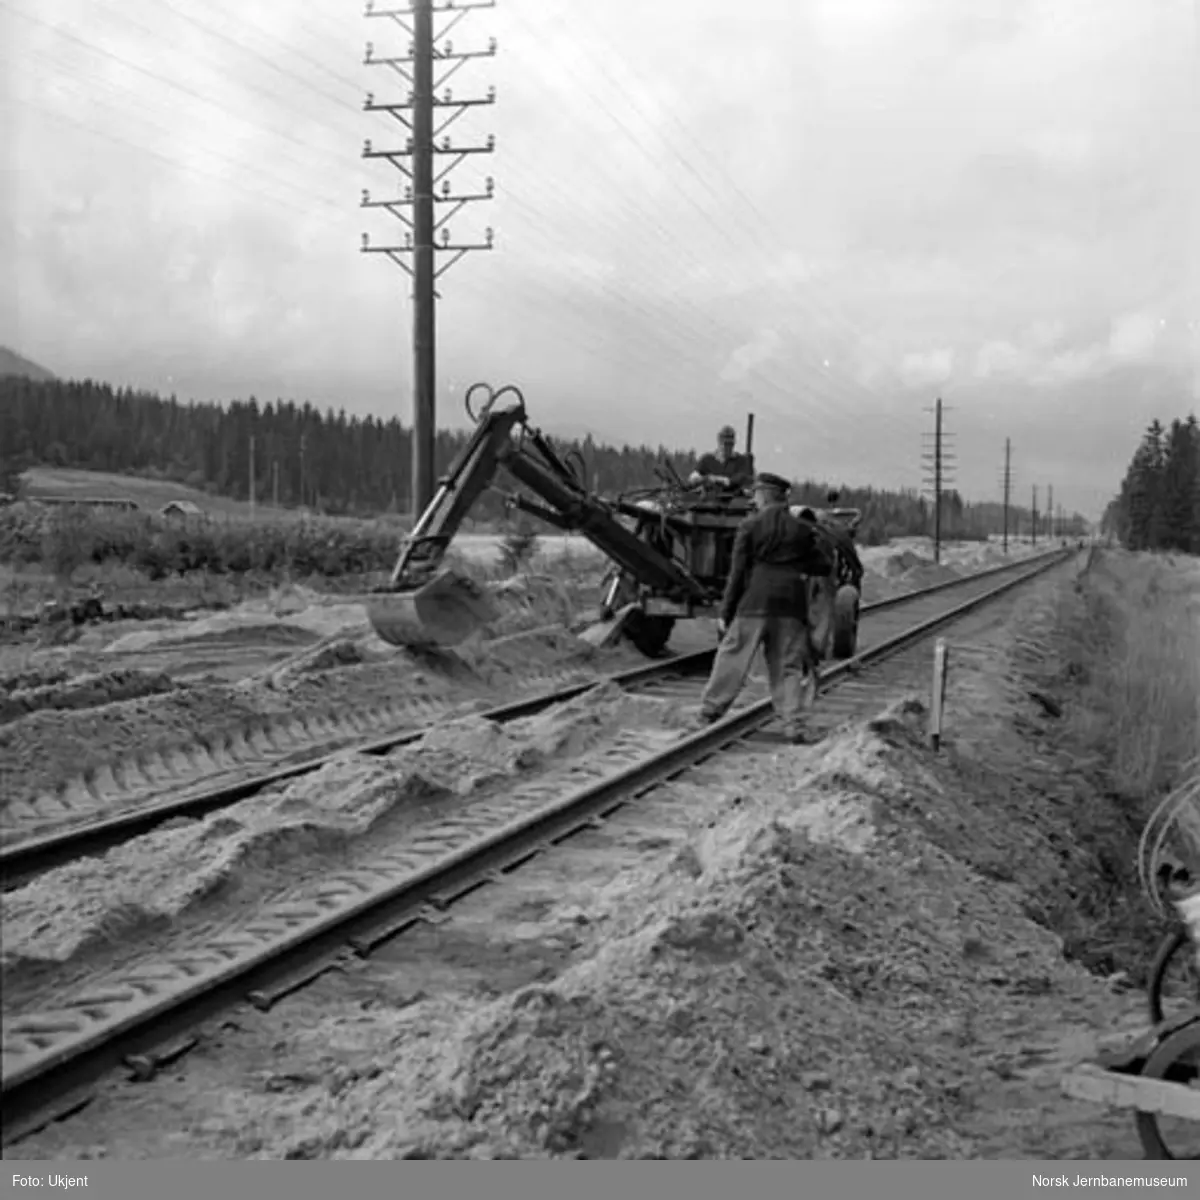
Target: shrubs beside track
column 63, row 540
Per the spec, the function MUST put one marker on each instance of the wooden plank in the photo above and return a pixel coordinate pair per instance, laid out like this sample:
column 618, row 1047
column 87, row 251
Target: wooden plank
column 1090, row 1082
column 1188, row 908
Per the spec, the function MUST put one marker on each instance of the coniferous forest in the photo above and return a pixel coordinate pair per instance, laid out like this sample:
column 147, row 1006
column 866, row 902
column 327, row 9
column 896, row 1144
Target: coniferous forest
column 1158, row 507
column 352, row 466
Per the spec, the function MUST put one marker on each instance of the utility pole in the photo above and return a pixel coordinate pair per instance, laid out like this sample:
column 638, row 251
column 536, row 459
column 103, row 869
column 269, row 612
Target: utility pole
column 1035, row 515
column 1050, row 511
column 303, row 472
column 252, row 475
column 1007, row 486
column 939, row 464
column 275, row 483
column 421, row 70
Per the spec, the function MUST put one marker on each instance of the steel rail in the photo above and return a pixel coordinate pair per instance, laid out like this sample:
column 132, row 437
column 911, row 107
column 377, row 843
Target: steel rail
column 21, row 861
column 48, row 1053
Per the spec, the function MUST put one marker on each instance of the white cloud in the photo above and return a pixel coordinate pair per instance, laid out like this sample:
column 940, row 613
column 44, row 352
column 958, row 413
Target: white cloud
column 927, row 368
column 1063, row 147
column 1134, row 335
column 1132, row 339
column 757, row 352
column 1041, row 335
column 1072, row 365
column 1001, row 358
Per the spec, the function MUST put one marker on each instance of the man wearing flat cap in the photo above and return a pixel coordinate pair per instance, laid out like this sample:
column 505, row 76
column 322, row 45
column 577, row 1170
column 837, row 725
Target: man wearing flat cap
column 766, row 604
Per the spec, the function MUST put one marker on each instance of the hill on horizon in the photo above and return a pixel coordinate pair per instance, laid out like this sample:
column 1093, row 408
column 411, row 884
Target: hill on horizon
column 11, row 363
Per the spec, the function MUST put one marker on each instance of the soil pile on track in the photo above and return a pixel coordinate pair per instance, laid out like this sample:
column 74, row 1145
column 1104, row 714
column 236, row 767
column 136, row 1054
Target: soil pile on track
column 854, row 949
column 892, row 572
column 84, row 691
column 48, row 747
column 298, row 616
column 235, row 858
column 52, row 734
column 907, row 572
column 802, row 980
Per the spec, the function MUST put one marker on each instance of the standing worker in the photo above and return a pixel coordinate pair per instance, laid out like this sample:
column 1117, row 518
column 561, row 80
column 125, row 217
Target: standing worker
column 766, row 604
column 845, row 544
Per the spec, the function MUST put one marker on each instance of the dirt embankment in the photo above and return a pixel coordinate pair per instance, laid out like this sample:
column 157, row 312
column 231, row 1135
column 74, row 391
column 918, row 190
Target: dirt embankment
column 856, row 949
column 58, row 723
column 151, row 891
column 896, row 569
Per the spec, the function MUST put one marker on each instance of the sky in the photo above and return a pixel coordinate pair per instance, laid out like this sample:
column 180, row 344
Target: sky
column 825, row 212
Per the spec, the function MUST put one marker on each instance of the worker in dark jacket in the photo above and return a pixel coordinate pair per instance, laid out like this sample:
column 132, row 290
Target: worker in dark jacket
column 766, row 604
column 734, row 472
column 845, row 544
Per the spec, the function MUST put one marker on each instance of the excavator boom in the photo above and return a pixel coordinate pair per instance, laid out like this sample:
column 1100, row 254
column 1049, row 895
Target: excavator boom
column 426, row 606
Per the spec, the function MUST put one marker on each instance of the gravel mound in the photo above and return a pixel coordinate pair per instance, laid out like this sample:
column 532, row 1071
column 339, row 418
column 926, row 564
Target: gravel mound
column 800, row 981
column 84, row 691
column 51, row 746
column 243, row 853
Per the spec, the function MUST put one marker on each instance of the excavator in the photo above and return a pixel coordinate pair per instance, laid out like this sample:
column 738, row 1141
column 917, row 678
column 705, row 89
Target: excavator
column 670, row 547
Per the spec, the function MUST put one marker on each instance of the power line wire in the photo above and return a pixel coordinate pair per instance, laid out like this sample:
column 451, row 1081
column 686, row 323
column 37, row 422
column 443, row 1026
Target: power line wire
column 189, row 91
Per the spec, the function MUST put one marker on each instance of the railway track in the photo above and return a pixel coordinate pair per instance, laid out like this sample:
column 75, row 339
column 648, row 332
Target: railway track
column 145, row 1013
column 32, row 853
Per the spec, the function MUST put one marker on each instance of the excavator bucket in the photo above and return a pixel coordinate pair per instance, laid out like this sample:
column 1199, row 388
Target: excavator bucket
column 443, row 612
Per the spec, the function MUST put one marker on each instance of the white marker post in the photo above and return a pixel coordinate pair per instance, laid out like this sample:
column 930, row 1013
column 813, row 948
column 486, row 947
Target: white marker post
column 938, row 699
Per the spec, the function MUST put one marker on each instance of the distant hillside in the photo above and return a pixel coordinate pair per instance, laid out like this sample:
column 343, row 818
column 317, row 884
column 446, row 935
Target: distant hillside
column 12, row 363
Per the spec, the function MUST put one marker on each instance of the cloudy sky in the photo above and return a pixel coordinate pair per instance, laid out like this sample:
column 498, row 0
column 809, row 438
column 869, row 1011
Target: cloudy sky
column 827, row 212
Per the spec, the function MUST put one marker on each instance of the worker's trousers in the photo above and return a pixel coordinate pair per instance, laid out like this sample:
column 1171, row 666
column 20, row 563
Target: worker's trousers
column 791, row 668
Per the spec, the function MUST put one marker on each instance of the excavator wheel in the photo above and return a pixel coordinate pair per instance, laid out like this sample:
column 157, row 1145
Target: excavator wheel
column 1174, row 1059
column 649, row 634
column 845, row 622
column 441, row 613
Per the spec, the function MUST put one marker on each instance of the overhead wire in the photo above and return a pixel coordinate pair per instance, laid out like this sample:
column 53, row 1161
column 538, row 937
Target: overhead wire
column 240, row 164
column 155, row 75
column 511, row 289
column 93, row 48
column 241, row 47
column 820, row 390
column 526, row 203
column 171, row 83
column 664, row 233
column 768, row 252
column 179, row 164
column 723, row 229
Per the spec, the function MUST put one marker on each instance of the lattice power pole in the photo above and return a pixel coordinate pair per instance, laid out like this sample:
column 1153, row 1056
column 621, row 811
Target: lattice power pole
column 421, row 69
column 939, row 464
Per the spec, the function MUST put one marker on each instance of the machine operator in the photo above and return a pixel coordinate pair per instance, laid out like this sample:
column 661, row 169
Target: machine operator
column 731, row 470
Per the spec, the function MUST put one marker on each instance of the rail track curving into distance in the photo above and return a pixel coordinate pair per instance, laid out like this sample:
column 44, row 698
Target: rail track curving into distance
column 32, row 853
column 143, row 1013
